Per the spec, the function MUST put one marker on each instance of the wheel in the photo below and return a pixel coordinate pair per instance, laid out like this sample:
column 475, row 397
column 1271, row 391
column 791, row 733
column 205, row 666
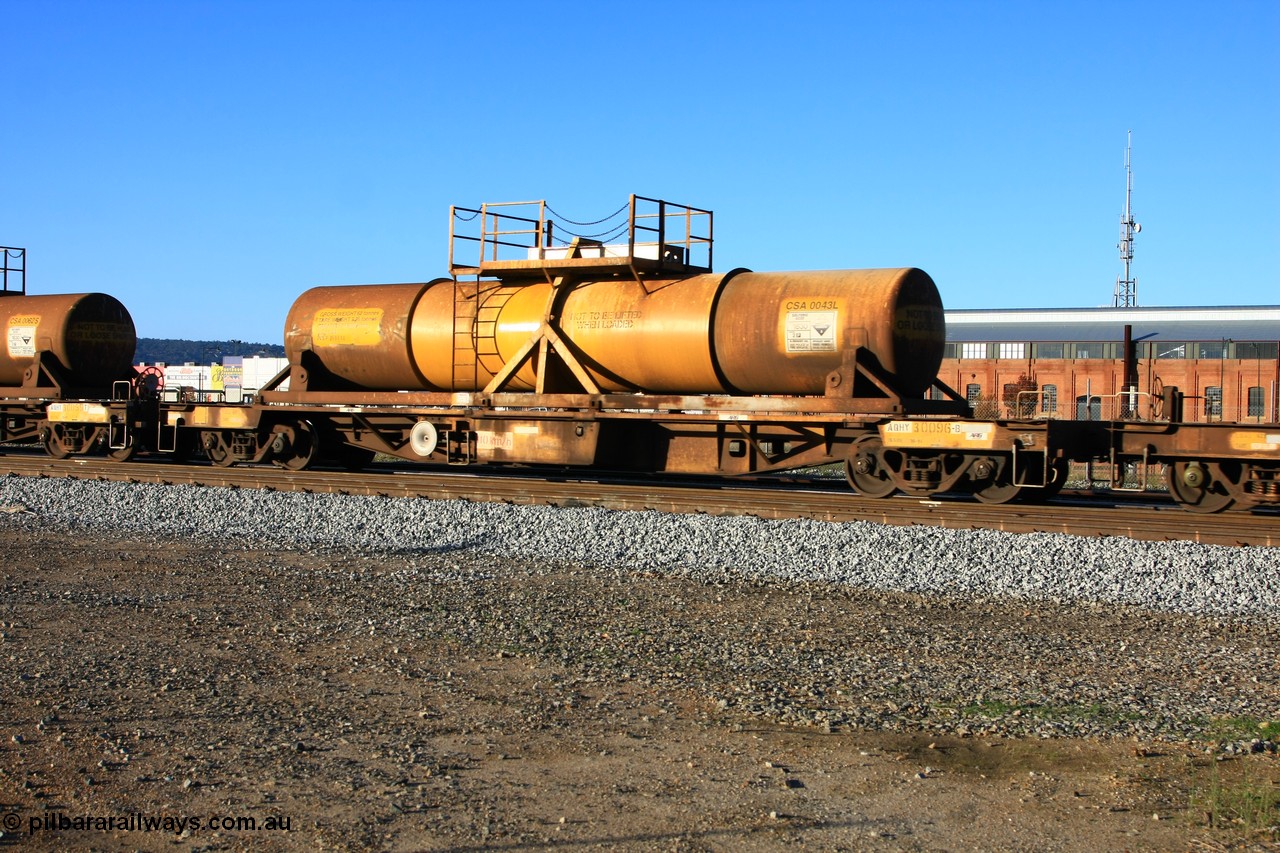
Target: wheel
column 1059, row 471
column 865, row 469
column 53, row 444
column 1199, row 486
column 217, row 449
column 302, row 447
column 123, row 454
column 992, row 481
column 996, row 492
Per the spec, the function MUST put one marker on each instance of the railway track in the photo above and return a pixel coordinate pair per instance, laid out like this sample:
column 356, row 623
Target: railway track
column 1072, row 513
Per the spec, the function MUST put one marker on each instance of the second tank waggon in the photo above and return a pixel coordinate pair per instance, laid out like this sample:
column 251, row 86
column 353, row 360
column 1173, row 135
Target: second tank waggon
column 542, row 348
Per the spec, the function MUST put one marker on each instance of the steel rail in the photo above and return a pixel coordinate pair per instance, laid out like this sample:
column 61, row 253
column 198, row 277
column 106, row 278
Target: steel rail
column 1072, row 514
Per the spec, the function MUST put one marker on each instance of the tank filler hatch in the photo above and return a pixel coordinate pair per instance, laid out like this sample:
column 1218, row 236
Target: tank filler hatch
column 508, row 244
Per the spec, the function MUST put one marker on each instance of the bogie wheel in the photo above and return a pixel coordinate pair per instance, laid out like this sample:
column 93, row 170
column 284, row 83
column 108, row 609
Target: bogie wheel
column 865, row 469
column 1059, row 471
column 53, row 444
column 1199, row 486
column 303, row 447
column 217, row 449
column 997, row 492
column 123, row 454
column 992, row 481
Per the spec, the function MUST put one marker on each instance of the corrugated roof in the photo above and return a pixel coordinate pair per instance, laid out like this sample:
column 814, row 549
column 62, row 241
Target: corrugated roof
column 1238, row 323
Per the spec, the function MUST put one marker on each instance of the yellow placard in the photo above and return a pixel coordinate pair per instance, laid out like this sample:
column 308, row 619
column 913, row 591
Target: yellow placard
column 21, row 335
column 78, row 413
column 811, row 324
column 1254, row 440
column 222, row 417
column 948, row 434
column 353, row 327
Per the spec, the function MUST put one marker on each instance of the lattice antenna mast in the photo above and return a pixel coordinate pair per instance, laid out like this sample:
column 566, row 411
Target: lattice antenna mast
column 1126, row 293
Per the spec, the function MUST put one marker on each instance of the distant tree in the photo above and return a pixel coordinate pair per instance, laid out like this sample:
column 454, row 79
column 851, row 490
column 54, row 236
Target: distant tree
column 1017, row 402
column 178, row 351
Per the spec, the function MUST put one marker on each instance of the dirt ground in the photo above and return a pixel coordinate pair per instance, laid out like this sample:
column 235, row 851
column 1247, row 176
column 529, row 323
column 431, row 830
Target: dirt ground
column 162, row 695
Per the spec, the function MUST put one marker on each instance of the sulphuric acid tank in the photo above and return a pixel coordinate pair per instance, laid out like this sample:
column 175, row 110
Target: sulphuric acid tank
column 90, row 335
column 739, row 332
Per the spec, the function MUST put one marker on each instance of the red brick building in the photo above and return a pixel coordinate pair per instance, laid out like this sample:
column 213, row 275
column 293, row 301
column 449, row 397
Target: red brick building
column 1069, row 363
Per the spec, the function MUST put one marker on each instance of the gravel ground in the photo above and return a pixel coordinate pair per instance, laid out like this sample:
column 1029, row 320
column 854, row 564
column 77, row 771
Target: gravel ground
column 408, row 674
column 1167, row 576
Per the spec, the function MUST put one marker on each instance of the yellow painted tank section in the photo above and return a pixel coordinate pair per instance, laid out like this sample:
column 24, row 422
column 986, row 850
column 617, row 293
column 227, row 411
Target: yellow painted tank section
column 655, row 339
column 432, row 332
column 629, row 339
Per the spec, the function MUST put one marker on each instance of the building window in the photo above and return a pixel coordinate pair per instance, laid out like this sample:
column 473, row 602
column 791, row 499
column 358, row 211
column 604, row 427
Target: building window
column 1088, row 408
column 1049, row 399
column 1255, row 402
column 1093, row 349
column 1048, row 350
column 972, row 350
column 1213, row 402
column 1167, row 350
column 949, row 351
column 1257, row 349
column 972, row 393
column 1013, row 350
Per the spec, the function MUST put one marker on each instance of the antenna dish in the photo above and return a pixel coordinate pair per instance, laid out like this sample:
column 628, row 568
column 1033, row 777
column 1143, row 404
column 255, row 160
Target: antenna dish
column 1137, row 228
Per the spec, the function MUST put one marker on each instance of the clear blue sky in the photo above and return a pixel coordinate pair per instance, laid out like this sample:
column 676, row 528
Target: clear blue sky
column 206, row 162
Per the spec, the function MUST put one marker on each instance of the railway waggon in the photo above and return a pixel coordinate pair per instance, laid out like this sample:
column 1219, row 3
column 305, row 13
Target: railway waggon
column 621, row 356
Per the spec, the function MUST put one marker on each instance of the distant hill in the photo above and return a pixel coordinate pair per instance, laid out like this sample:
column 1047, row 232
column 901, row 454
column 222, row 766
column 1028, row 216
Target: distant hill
column 174, row 351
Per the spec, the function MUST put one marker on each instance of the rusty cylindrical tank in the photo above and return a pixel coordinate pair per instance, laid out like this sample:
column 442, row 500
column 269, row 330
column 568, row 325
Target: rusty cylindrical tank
column 90, row 334
column 783, row 332
column 740, row 332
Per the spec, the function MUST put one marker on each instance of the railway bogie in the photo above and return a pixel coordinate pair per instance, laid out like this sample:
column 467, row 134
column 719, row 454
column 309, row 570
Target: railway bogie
column 1207, row 467
column 996, row 461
